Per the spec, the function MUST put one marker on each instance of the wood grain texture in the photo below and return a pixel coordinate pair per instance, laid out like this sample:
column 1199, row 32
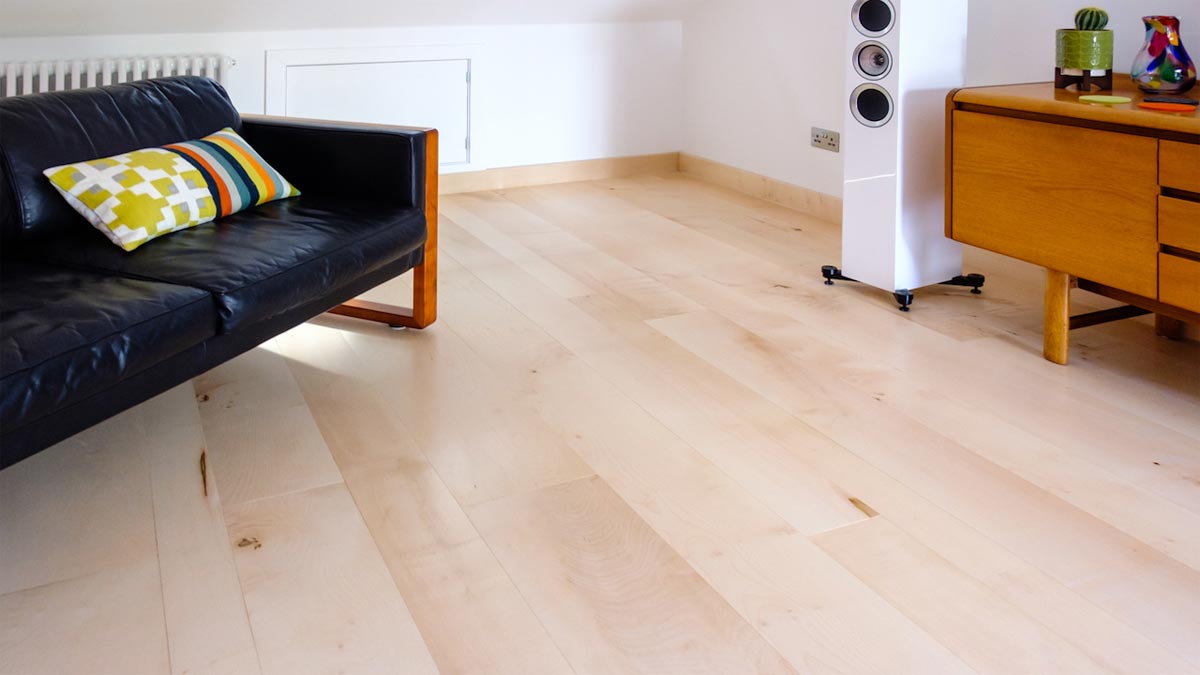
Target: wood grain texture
column 1179, row 221
column 560, row 172
column 262, row 438
column 79, row 507
column 1056, row 328
column 108, row 623
column 615, row 597
column 1044, row 100
column 809, row 202
column 1002, row 201
column 967, row 483
column 1179, row 163
column 1179, row 281
column 208, row 630
column 988, row 633
column 471, row 615
column 717, row 526
column 424, row 305
column 319, row 595
column 642, row 438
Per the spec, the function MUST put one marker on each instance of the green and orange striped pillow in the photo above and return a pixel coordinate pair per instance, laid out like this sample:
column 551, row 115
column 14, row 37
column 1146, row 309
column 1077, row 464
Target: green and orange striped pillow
column 236, row 175
column 137, row 196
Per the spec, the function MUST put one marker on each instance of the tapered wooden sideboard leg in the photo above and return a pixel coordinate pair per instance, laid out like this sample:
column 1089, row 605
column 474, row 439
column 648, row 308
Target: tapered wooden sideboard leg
column 1056, row 331
column 1165, row 326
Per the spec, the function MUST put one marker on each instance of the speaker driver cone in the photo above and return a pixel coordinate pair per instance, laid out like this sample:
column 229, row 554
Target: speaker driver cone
column 871, row 105
column 872, row 60
column 873, row 18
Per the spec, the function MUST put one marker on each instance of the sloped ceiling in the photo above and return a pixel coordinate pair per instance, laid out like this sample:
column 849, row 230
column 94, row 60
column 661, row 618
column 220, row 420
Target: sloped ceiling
column 24, row 18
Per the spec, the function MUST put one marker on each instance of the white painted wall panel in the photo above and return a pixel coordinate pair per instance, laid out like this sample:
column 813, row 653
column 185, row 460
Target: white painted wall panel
column 548, row 93
column 415, row 93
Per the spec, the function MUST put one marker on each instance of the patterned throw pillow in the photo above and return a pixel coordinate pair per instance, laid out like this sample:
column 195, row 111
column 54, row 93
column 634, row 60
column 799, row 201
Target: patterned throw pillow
column 135, row 197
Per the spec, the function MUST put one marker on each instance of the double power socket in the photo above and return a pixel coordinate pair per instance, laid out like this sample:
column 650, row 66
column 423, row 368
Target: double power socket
column 826, row 139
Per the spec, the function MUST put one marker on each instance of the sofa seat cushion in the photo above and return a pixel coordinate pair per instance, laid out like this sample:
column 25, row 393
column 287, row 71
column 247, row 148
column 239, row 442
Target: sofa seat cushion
column 259, row 263
column 66, row 335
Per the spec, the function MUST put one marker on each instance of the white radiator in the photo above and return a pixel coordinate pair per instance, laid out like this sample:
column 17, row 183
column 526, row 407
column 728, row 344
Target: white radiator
column 32, row 77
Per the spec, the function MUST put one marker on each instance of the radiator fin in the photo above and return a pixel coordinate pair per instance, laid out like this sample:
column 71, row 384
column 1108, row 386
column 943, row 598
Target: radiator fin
column 32, row 77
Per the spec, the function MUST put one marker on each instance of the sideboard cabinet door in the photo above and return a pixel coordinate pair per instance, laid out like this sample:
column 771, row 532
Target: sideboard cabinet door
column 1076, row 200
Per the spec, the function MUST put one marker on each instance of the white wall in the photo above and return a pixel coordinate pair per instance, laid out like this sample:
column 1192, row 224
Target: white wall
column 759, row 73
column 32, row 18
column 551, row 93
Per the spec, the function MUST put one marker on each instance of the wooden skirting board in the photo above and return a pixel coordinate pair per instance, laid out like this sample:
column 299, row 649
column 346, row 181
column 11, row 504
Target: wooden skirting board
column 559, row 172
column 808, row 202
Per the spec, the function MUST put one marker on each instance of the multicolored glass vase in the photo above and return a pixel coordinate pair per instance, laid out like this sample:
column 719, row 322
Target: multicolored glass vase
column 1163, row 65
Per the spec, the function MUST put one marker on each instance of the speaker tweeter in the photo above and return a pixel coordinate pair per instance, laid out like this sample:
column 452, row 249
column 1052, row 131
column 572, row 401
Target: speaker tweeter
column 872, row 60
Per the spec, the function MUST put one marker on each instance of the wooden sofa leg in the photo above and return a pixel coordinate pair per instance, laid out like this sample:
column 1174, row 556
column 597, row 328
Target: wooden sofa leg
column 421, row 314
column 424, row 307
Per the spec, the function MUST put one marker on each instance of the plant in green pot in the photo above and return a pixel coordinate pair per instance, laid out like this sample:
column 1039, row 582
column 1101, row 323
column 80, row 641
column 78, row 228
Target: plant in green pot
column 1084, row 54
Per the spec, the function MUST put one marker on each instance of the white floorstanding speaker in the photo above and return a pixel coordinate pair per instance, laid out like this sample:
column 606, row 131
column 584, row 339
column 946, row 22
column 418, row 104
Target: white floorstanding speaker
column 903, row 58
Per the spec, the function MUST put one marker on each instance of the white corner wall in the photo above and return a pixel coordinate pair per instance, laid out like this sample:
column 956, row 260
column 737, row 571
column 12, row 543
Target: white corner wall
column 758, row 74
column 551, row 93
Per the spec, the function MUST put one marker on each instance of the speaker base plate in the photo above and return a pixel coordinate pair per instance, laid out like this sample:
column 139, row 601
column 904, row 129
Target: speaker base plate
column 904, row 297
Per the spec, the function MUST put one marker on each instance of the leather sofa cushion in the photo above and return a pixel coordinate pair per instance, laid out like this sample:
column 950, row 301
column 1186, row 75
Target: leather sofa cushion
column 259, row 263
column 52, row 129
column 66, row 334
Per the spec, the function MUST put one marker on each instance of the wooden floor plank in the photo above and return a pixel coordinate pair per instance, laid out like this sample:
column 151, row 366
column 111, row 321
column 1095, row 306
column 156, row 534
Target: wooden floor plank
column 720, row 529
column 79, row 507
column 319, row 595
column 262, row 438
column 781, row 475
column 1152, row 518
column 592, row 272
column 642, row 437
column 634, row 366
column 1168, row 473
column 357, row 426
column 467, row 420
column 471, row 615
column 207, row 627
column 1138, row 584
column 615, row 597
column 992, row 636
column 106, row 623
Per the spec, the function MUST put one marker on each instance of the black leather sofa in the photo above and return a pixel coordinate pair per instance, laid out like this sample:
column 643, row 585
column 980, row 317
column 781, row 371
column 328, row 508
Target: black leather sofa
column 88, row 330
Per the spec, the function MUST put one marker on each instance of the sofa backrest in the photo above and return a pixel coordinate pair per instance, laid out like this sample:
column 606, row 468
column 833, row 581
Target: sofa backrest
column 45, row 130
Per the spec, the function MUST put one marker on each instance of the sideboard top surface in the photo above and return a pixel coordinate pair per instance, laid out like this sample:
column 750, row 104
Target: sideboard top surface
column 1043, row 99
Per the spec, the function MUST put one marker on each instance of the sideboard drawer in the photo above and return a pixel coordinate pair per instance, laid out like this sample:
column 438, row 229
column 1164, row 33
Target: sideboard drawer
column 1179, row 223
column 1179, row 165
column 1179, row 281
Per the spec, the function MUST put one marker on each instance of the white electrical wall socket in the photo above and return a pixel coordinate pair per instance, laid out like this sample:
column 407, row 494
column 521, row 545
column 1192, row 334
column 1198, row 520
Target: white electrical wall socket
column 826, row 139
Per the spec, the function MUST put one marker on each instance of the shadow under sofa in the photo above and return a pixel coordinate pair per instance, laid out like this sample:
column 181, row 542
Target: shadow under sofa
column 88, row 330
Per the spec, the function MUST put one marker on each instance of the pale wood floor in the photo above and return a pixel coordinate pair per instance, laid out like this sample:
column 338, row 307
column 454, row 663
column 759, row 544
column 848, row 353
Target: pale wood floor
column 642, row 438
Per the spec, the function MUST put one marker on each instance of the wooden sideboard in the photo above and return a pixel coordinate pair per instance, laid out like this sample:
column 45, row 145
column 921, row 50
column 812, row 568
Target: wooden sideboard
column 1106, row 198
